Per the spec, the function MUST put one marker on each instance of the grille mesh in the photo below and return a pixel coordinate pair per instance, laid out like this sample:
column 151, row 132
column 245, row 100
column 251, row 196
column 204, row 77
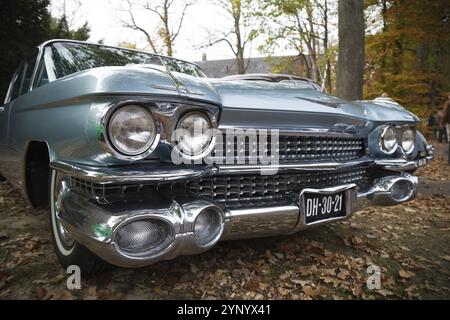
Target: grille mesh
column 251, row 190
column 254, row 187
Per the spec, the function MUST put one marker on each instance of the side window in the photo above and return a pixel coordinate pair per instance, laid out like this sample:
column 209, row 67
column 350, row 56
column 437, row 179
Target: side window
column 17, row 83
column 30, row 64
column 41, row 75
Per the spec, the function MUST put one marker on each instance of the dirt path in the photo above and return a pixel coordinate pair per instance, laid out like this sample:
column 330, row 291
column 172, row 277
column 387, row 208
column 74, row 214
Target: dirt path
column 409, row 243
column 434, row 182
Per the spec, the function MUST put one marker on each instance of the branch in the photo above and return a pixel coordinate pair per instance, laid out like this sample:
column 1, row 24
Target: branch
column 183, row 14
column 146, row 6
column 133, row 25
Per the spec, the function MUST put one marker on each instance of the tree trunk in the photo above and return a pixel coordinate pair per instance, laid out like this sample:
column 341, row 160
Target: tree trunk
column 350, row 68
column 236, row 9
column 325, row 48
column 240, row 62
column 384, row 45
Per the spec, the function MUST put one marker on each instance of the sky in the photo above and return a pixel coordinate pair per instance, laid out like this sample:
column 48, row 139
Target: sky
column 203, row 19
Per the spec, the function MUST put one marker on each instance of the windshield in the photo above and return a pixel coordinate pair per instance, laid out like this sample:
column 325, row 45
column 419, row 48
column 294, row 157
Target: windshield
column 65, row 58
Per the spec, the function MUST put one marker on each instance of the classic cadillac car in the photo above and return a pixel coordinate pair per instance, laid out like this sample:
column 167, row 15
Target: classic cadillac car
column 90, row 131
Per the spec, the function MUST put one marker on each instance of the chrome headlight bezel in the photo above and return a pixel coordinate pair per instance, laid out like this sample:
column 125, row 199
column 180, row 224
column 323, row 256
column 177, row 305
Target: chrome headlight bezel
column 164, row 247
column 112, row 146
column 388, row 130
column 409, row 149
column 211, row 139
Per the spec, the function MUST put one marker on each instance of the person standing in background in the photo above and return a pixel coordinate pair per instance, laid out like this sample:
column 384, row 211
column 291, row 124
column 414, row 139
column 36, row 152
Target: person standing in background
column 441, row 133
column 446, row 122
column 446, row 117
column 433, row 123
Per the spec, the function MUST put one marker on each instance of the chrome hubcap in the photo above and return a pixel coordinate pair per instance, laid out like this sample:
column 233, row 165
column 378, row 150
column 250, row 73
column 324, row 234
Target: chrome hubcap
column 65, row 238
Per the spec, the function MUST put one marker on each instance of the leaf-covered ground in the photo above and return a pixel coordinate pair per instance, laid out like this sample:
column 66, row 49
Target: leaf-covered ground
column 409, row 243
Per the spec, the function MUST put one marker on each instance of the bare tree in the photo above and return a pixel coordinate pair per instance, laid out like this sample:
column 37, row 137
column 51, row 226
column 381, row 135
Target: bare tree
column 165, row 12
column 351, row 59
column 238, row 36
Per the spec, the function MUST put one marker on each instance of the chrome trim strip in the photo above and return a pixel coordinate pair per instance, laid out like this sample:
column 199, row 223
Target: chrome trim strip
column 399, row 165
column 157, row 172
column 261, row 222
column 229, row 169
column 314, row 132
column 133, row 174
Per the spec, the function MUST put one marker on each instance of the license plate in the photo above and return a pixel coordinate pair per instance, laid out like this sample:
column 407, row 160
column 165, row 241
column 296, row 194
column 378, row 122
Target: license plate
column 319, row 207
column 421, row 162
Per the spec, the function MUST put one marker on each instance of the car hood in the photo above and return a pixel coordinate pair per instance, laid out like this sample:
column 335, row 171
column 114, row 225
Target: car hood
column 261, row 96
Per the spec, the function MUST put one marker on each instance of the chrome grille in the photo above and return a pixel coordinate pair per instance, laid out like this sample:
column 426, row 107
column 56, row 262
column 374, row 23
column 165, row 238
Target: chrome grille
column 290, row 149
column 283, row 185
column 251, row 190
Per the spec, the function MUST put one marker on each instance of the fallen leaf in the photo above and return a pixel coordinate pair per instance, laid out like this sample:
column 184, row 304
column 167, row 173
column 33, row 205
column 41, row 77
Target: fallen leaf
column 343, row 273
column 41, row 293
column 3, row 279
column 57, row 279
column 385, row 292
column 358, row 290
column 56, row 294
column 357, row 241
column 31, row 245
column 404, row 248
column 409, row 291
column 282, row 292
column 302, row 283
column 314, row 293
column 194, row 268
column 406, row 274
column 327, row 272
column 251, row 285
column 39, row 282
column 285, row 276
column 279, row 256
column 91, row 294
column 172, row 279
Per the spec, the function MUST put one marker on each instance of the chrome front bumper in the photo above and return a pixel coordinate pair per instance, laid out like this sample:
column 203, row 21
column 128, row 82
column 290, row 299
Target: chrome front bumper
column 81, row 214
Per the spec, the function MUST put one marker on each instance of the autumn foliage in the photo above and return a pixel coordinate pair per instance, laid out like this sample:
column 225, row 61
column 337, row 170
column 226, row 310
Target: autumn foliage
column 409, row 57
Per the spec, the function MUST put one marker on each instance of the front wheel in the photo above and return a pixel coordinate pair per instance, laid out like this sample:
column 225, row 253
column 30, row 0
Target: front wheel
column 68, row 250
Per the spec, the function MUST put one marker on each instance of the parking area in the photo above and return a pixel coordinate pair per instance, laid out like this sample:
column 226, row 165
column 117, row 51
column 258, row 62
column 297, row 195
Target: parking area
column 410, row 244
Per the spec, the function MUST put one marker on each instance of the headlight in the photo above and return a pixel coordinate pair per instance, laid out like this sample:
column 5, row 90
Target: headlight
column 408, row 141
column 132, row 130
column 194, row 134
column 388, row 140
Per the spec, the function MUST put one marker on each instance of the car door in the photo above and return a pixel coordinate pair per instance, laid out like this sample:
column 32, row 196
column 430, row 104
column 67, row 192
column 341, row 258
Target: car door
column 13, row 93
column 20, row 85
